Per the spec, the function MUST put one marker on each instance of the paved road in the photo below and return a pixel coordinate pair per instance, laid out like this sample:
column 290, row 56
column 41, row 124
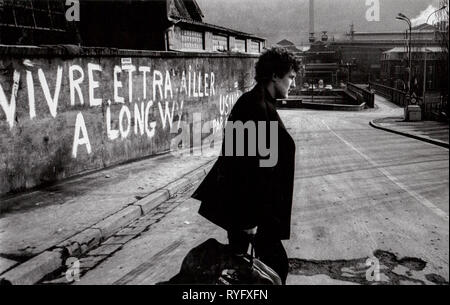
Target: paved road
column 360, row 193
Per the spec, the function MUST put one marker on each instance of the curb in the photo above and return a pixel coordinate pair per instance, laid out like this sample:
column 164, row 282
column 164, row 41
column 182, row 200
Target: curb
column 35, row 269
column 290, row 104
column 337, row 107
column 431, row 141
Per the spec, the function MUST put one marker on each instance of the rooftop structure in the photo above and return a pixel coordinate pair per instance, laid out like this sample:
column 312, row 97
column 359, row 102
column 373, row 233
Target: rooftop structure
column 165, row 25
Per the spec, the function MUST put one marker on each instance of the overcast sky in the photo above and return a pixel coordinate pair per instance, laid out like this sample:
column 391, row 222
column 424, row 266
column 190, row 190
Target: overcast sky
column 279, row 19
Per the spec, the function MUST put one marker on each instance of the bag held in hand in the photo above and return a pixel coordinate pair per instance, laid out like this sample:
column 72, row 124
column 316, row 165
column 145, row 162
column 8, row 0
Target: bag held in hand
column 214, row 263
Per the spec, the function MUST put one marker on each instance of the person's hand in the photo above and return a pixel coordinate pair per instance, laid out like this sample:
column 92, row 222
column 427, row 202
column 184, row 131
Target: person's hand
column 251, row 231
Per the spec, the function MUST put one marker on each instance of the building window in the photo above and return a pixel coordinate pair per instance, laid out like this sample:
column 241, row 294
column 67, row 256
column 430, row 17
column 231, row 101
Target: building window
column 240, row 45
column 220, row 43
column 191, row 40
column 255, row 47
column 35, row 22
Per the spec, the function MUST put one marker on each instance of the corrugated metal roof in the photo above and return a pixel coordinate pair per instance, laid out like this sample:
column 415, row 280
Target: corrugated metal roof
column 416, row 50
column 219, row 28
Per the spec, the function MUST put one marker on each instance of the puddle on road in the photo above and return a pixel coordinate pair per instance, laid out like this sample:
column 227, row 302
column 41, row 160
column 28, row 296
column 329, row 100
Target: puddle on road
column 393, row 271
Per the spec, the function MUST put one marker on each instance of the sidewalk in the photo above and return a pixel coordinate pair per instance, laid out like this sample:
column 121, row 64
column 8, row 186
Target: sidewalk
column 39, row 230
column 428, row 131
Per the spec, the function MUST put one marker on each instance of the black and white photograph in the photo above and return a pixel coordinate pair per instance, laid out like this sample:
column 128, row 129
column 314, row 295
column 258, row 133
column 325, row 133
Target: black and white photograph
column 217, row 149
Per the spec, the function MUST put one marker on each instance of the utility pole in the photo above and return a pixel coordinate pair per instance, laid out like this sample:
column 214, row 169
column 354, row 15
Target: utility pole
column 402, row 17
column 424, row 76
column 426, row 55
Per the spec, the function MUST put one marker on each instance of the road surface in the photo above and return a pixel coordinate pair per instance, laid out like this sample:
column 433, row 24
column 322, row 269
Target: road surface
column 370, row 207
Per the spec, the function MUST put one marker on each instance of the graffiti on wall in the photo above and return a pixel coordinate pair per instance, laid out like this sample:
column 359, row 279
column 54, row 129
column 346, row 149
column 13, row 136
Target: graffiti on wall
column 139, row 91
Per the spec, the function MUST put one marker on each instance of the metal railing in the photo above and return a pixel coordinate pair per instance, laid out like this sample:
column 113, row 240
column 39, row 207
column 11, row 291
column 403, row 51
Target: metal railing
column 362, row 95
column 396, row 96
column 432, row 107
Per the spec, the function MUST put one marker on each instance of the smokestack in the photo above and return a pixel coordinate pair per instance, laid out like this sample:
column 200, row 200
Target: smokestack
column 311, row 21
column 352, row 31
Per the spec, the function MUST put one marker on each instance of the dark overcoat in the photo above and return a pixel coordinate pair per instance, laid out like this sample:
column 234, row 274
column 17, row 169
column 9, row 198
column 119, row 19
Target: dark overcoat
column 238, row 193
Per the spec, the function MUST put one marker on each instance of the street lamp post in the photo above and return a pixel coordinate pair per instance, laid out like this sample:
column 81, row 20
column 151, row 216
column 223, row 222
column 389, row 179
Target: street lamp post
column 425, row 58
column 442, row 8
column 424, row 76
column 349, row 65
column 348, row 72
column 402, row 17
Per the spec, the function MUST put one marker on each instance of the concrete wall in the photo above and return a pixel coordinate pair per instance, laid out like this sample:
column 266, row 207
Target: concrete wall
column 62, row 115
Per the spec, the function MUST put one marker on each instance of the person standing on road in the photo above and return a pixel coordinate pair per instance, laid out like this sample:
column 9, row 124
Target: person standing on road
column 247, row 199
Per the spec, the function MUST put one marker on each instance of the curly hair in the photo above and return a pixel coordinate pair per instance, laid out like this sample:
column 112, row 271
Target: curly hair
column 275, row 60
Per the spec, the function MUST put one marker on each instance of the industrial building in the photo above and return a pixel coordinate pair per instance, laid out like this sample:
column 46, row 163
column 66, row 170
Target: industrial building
column 164, row 25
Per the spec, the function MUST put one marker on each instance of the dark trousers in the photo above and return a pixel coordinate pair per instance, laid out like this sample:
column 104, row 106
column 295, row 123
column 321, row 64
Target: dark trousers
column 268, row 249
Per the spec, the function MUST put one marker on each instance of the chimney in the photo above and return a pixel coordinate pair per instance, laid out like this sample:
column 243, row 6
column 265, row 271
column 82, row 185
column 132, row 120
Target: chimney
column 352, row 31
column 311, row 21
